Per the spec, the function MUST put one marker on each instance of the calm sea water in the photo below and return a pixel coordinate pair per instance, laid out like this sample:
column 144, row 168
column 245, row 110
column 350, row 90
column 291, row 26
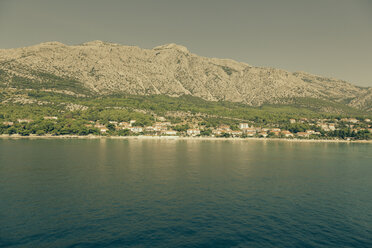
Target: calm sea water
column 156, row 193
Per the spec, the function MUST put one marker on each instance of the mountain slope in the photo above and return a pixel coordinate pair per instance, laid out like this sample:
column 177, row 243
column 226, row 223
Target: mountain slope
column 105, row 68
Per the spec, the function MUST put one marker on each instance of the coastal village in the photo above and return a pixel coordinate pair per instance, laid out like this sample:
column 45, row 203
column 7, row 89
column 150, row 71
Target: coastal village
column 245, row 129
column 317, row 128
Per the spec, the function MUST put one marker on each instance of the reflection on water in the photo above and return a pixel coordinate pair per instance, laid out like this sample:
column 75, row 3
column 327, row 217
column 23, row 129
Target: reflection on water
column 190, row 193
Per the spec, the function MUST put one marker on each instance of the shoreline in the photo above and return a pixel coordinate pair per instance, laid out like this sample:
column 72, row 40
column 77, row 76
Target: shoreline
column 144, row 137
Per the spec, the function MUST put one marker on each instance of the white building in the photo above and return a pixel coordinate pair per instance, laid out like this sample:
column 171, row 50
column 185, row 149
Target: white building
column 136, row 129
column 170, row 132
column 102, row 128
column 193, row 132
column 8, row 123
column 113, row 123
column 250, row 131
column 24, row 120
column 236, row 133
column 243, row 125
column 325, row 127
column 353, row 120
column 50, row 118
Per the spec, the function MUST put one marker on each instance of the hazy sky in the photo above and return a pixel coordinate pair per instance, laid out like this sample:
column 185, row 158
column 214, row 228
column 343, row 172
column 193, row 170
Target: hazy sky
column 324, row 37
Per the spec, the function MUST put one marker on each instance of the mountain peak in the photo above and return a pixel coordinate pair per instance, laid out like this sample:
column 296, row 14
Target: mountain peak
column 52, row 43
column 172, row 46
column 97, row 43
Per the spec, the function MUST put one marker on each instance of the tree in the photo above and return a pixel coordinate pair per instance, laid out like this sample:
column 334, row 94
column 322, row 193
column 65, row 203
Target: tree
column 24, row 132
column 206, row 132
column 40, row 132
column 271, row 135
column 11, row 130
column 123, row 132
column 111, row 127
column 225, row 135
column 182, row 128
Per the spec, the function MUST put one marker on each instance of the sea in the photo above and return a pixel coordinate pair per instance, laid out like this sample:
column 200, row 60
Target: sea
column 184, row 193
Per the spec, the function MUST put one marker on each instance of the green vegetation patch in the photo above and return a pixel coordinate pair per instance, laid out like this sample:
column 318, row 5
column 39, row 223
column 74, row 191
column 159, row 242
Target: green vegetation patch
column 49, row 81
column 228, row 70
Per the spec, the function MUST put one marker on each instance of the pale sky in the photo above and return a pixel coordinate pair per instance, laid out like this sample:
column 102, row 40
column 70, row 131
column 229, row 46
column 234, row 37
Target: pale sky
column 324, row 37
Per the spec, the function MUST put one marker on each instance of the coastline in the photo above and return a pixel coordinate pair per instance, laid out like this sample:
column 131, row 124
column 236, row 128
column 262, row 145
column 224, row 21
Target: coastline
column 145, row 137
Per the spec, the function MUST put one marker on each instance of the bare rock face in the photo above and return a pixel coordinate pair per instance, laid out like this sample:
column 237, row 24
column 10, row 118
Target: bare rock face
column 170, row 69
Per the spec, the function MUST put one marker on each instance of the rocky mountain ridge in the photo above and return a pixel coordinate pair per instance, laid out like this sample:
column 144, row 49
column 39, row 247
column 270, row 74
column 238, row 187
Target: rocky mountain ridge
column 108, row 68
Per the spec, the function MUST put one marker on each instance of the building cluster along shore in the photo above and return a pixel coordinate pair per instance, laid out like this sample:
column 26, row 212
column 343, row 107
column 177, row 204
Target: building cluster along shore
column 303, row 128
column 318, row 129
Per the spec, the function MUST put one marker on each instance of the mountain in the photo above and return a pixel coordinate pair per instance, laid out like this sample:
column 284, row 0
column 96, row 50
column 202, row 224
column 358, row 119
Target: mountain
column 100, row 68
